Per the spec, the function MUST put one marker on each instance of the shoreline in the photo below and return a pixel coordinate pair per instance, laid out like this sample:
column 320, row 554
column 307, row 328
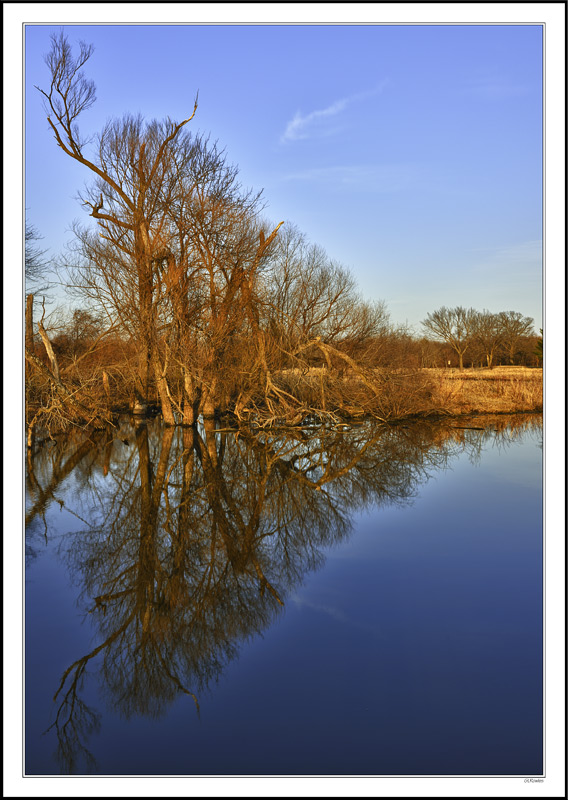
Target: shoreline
column 423, row 394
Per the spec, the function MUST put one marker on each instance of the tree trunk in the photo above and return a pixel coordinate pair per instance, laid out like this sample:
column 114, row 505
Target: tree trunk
column 190, row 400
column 145, row 299
column 208, row 401
column 106, row 386
column 30, row 323
column 49, row 350
column 163, row 394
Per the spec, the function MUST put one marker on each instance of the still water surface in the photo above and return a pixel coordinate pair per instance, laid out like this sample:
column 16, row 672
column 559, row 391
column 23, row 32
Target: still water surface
column 356, row 602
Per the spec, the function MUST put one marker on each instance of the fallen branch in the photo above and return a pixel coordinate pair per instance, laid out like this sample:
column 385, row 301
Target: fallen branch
column 65, row 394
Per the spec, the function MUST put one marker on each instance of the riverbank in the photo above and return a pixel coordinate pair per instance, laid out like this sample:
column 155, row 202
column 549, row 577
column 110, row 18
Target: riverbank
column 394, row 396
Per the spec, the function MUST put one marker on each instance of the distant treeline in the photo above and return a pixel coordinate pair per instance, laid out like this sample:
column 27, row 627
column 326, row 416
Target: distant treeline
column 503, row 339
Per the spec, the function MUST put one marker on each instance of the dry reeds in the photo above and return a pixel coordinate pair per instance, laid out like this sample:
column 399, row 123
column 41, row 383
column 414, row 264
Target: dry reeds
column 487, row 391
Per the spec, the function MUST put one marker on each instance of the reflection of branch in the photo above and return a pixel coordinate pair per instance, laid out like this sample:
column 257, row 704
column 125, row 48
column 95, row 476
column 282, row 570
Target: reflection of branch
column 45, row 495
column 176, row 680
column 31, row 473
column 70, row 510
column 74, row 719
column 80, row 722
column 102, row 600
column 80, row 665
column 264, row 584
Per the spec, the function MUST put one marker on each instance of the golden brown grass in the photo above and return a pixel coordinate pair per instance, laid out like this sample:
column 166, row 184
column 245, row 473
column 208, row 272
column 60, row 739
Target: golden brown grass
column 487, row 391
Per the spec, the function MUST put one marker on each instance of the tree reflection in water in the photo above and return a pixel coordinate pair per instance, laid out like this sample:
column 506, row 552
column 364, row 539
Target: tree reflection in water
column 196, row 537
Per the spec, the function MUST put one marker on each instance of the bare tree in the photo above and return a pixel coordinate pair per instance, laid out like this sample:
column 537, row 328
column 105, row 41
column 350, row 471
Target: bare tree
column 539, row 348
column 36, row 266
column 429, row 353
column 178, row 248
column 133, row 178
column 487, row 333
column 310, row 299
column 453, row 326
column 514, row 326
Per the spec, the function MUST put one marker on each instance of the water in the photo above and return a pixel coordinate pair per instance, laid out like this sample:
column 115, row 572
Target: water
column 355, row 602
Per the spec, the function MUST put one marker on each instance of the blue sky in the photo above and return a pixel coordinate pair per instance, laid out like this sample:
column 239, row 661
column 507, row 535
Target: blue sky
column 411, row 153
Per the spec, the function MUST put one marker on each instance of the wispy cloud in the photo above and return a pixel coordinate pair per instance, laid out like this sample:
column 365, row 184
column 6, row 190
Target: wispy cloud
column 316, row 123
column 300, row 127
column 338, row 615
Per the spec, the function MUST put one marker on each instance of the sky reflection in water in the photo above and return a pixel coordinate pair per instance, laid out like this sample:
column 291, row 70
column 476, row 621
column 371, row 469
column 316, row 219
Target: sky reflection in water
column 360, row 602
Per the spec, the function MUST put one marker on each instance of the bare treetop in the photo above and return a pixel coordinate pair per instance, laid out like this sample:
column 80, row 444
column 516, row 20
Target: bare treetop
column 453, row 326
column 70, row 92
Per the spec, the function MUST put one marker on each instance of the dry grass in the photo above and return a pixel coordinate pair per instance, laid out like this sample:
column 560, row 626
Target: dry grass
column 487, row 391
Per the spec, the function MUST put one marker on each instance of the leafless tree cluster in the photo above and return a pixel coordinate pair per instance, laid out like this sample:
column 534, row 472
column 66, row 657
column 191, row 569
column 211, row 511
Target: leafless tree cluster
column 223, row 311
column 36, row 264
column 483, row 335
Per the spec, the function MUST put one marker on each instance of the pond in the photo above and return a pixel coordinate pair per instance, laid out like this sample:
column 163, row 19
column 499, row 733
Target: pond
column 364, row 600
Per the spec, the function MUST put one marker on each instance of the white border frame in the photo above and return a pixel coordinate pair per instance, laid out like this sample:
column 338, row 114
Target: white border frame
column 552, row 15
